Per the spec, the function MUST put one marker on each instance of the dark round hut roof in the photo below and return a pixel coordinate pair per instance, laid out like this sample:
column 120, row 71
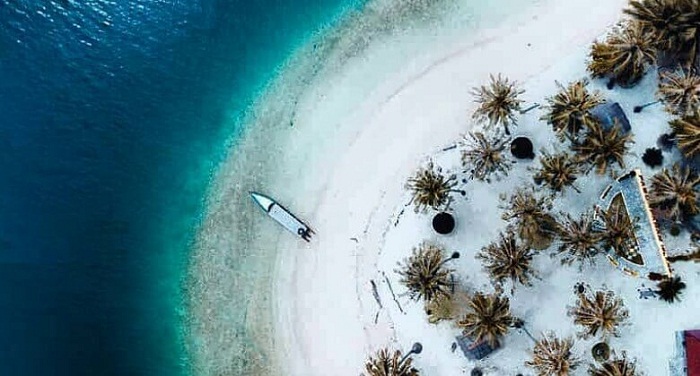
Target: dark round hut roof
column 521, row 148
column 443, row 223
column 600, row 352
column 653, row 157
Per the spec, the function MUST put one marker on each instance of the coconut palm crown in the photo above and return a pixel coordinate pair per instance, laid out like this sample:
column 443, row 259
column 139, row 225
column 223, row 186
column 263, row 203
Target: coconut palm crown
column 424, row 273
column 675, row 192
column 670, row 289
column 602, row 147
column 530, row 215
column 569, row 110
column 557, row 171
column 506, row 259
column 680, row 92
column 430, row 188
column 616, row 232
column 672, row 23
column 498, row 101
column 599, row 312
column 385, row 363
column 687, row 132
column 618, row 366
column 625, row 54
column 577, row 239
column 484, row 156
column 488, row 318
column 552, row 356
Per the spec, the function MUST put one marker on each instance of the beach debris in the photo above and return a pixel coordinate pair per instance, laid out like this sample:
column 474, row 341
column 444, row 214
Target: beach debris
column 392, row 292
column 375, row 293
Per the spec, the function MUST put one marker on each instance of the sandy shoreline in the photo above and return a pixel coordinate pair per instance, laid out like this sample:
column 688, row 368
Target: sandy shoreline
column 323, row 303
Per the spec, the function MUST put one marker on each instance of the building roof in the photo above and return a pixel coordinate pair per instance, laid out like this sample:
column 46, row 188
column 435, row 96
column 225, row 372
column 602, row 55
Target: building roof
column 608, row 112
column 647, row 240
column 474, row 350
column 692, row 352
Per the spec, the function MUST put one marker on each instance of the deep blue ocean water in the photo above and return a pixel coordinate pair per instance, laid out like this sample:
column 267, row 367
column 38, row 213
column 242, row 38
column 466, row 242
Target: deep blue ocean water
column 113, row 116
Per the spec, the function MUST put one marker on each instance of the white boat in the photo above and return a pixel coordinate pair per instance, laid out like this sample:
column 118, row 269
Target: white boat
column 282, row 216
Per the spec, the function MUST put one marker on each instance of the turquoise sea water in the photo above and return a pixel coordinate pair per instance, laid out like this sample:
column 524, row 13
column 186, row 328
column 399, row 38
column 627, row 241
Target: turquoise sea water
column 114, row 117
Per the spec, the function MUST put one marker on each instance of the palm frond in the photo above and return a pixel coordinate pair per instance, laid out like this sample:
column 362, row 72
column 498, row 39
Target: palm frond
column 618, row 366
column 577, row 239
column 680, row 92
column 530, row 215
column 672, row 23
column 552, row 356
column 675, row 192
column 506, row 259
column 569, row 110
column 670, row 289
column 488, row 318
column 625, row 55
column 599, row 312
column 557, row 171
column 430, row 188
column 687, row 130
column 485, row 157
column 498, row 102
column 424, row 273
column 617, row 230
column 385, row 363
column 601, row 147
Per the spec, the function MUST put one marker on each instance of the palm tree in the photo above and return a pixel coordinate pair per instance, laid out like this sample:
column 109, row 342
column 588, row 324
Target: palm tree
column 687, row 132
column 552, row 356
column 488, row 318
column 485, row 156
column 617, row 230
column 625, row 54
column 386, row 364
column 424, row 273
column 673, row 25
column 535, row 226
column 675, row 192
column 602, row 147
column 498, row 102
column 577, row 239
column 557, row 171
column 569, row 110
column 618, row 366
column 506, row 259
column 670, row 289
column 680, row 92
column 599, row 312
column 430, row 188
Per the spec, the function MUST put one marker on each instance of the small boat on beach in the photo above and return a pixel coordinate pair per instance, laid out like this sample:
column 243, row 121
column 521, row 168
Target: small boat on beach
column 282, row 216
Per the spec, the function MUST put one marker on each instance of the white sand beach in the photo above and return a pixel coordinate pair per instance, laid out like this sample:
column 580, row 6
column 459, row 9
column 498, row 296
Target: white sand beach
column 325, row 308
column 339, row 157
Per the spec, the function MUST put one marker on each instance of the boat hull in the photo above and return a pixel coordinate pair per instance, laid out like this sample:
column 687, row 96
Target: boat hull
column 283, row 216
